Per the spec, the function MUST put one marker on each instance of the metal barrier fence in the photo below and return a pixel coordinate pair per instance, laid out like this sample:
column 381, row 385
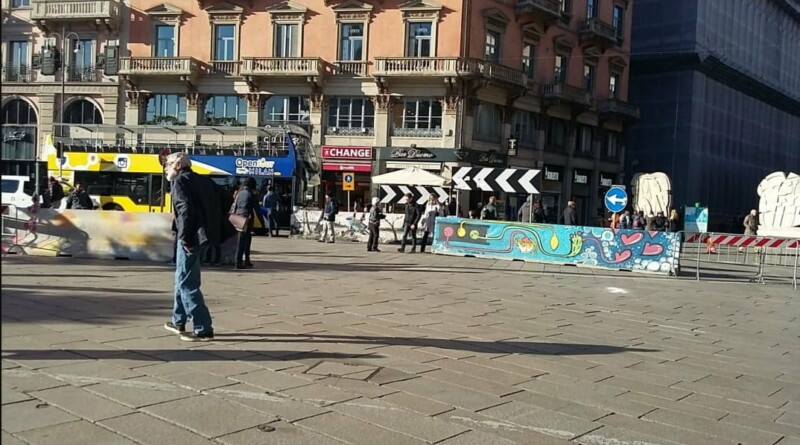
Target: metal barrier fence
column 758, row 251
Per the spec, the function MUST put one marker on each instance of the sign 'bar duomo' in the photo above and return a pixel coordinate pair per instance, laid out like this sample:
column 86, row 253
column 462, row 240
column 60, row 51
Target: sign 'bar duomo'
column 509, row 180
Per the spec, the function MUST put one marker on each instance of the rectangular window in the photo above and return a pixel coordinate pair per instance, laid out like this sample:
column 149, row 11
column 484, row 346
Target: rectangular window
column 287, row 40
column 169, row 109
column 21, row 4
column 488, row 122
column 351, row 116
column 566, row 6
column 584, row 139
column 226, row 110
column 588, row 77
column 165, row 41
column 523, row 128
column 529, row 59
column 351, row 44
column 619, row 19
column 18, row 68
column 224, row 42
column 417, row 117
column 286, row 109
column 81, row 65
column 492, row 52
column 612, row 141
column 557, row 134
column 613, row 81
column 591, row 9
column 561, row 68
column 419, row 39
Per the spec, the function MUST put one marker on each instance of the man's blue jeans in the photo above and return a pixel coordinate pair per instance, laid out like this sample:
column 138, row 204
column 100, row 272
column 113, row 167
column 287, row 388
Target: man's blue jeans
column 189, row 301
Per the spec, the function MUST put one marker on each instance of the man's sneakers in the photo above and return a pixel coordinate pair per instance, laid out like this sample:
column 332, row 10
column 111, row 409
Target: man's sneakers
column 180, row 329
column 175, row 328
column 191, row 336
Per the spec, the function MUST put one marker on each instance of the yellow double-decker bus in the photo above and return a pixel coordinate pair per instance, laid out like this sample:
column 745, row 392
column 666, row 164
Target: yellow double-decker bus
column 118, row 178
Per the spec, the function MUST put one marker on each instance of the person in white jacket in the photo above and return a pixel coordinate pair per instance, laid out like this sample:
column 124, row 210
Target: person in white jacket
column 428, row 221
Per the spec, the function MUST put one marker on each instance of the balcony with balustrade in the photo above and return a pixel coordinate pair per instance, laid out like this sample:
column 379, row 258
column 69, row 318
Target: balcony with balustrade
column 561, row 93
column 183, row 68
column 17, row 73
column 597, row 31
column 350, row 68
column 49, row 13
column 549, row 10
column 225, row 68
column 617, row 109
column 285, row 67
column 416, row 67
column 493, row 72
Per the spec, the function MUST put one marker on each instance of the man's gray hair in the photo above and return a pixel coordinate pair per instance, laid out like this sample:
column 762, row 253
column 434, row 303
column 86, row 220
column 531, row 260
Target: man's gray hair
column 181, row 158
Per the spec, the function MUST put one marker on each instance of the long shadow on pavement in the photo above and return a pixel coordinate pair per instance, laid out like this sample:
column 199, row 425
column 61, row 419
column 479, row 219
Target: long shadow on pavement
column 519, row 347
column 175, row 355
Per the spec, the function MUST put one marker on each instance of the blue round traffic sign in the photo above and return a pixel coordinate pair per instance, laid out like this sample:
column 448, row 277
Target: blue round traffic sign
column 616, row 199
column 348, row 178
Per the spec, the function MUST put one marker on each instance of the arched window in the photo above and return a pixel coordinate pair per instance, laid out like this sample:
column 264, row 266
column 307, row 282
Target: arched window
column 82, row 112
column 19, row 130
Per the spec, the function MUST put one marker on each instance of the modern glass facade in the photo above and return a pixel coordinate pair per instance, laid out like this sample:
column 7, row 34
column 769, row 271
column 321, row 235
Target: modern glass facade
column 718, row 85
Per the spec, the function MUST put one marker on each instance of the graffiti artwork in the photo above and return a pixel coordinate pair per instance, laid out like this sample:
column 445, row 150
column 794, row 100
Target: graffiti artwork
column 637, row 250
column 779, row 206
column 651, row 193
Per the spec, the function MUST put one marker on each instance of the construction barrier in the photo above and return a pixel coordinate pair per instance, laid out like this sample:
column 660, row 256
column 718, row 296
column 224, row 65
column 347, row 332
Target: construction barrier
column 741, row 249
column 598, row 247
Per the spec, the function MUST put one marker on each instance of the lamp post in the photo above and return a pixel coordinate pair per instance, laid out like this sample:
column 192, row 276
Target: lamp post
column 63, row 36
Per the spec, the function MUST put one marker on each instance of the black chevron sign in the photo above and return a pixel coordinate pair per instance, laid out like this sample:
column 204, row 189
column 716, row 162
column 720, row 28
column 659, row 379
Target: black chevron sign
column 391, row 194
column 510, row 180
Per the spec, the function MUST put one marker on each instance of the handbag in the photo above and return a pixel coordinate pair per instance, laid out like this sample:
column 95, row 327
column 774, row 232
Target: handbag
column 239, row 222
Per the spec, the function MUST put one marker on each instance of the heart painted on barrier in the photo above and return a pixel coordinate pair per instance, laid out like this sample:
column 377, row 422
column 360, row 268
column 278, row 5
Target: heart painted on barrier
column 627, row 240
column 622, row 256
column 652, row 249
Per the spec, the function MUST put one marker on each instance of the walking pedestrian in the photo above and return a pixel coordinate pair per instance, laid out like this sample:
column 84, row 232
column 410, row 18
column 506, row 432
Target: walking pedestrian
column 489, row 211
column 246, row 204
column 375, row 217
column 525, row 211
column 673, row 224
column 626, row 222
column 428, row 221
column 570, row 214
column 650, row 222
column 750, row 225
column 196, row 224
column 271, row 203
column 410, row 222
column 329, row 218
column 661, row 221
column 79, row 199
column 638, row 221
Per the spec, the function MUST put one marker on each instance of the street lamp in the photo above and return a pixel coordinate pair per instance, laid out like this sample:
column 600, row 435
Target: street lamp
column 64, row 36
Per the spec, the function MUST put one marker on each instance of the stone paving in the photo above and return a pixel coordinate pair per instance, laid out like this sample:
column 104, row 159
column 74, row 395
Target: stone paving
column 329, row 344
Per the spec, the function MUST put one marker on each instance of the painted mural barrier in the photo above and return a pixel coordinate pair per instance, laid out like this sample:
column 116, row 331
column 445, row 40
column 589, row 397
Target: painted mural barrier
column 88, row 234
column 635, row 250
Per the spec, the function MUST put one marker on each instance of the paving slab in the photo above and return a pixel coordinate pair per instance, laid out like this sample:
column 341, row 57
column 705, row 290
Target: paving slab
column 74, row 433
column 357, row 348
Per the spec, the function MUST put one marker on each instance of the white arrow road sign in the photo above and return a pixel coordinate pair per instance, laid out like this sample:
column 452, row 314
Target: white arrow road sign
column 404, row 190
column 480, row 179
column 390, row 194
column 424, row 194
column 526, row 181
column 502, row 180
column 460, row 178
column 442, row 193
column 614, row 199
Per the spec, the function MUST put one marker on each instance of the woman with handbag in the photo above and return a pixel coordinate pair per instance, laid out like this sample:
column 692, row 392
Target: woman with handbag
column 244, row 209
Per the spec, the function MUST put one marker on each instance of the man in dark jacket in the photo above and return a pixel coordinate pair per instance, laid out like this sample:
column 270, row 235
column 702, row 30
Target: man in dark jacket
column 197, row 224
column 79, row 199
column 570, row 214
column 375, row 217
column 329, row 218
column 410, row 224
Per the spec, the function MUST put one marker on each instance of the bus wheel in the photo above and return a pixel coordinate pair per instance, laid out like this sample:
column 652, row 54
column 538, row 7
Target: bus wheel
column 112, row 206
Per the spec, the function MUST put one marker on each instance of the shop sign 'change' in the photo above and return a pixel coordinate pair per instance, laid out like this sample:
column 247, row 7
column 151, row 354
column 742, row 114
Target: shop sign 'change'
column 330, row 152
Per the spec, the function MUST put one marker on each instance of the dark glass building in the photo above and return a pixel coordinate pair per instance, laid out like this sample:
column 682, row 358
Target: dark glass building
column 718, row 85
